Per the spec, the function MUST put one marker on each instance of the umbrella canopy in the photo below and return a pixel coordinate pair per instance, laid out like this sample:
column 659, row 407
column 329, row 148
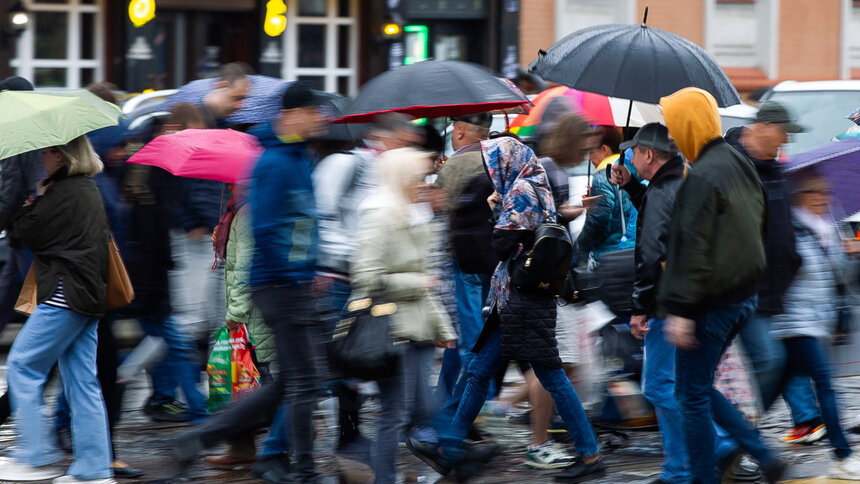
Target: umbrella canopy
column 334, row 105
column 222, row 155
column 633, row 62
column 432, row 89
column 595, row 108
column 261, row 105
column 839, row 161
column 30, row 120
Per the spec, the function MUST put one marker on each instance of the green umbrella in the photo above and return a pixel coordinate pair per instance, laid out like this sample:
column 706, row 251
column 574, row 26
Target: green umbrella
column 30, row 120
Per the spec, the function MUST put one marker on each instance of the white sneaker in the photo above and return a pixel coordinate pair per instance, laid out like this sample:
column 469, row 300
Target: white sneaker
column 67, row 479
column 550, row 455
column 13, row 471
column 848, row 469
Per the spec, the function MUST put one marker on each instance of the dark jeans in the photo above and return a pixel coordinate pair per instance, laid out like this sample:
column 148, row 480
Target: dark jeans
column 11, row 279
column 701, row 403
column 806, row 357
column 288, row 310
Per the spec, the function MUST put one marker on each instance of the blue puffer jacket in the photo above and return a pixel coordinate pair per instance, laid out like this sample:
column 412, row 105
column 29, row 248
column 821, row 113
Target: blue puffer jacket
column 283, row 213
column 811, row 300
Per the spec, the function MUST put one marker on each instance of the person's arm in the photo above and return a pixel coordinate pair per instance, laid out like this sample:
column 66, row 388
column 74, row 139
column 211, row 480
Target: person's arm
column 685, row 284
column 12, row 189
column 505, row 242
column 267, row 199
column 241, row 244
column 370, row 267
column 651, row 243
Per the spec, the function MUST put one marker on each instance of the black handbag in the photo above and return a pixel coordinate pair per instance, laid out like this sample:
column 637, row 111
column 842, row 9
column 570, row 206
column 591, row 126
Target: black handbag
column 545, row 266
column 362, row 346
column 616, row 272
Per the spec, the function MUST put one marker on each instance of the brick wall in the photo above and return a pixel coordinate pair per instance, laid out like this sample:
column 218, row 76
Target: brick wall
column 537, row 28
column 809, row 39
column 682, row 17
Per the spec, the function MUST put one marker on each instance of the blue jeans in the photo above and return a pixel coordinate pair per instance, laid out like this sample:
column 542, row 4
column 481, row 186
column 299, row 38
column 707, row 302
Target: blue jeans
column 481, row 371
column 807, row 358
column 59, row 335
column 767, row 357
column 658, row 387
column 278, row 441
column 405, row 399
column 701, row 403
column 471, row 293
column 179, row 368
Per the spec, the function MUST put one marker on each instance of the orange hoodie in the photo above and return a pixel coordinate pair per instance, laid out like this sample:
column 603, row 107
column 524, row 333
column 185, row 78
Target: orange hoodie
column 692, row 118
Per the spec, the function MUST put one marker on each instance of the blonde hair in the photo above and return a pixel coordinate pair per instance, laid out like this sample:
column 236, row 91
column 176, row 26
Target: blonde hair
column 80, row 157
column 565, row 142
column 400, row 167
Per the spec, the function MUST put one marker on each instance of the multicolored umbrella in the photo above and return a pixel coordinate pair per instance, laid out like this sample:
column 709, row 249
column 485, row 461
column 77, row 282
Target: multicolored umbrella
column 222, row 155
column 30, row 120
column 597, row 109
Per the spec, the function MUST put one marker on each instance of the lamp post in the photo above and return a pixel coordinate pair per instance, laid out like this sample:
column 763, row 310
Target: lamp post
column 14, row 19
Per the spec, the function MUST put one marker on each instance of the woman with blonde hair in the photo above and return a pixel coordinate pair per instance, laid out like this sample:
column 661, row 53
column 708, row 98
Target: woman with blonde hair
column 66, row 228
column 393, row 248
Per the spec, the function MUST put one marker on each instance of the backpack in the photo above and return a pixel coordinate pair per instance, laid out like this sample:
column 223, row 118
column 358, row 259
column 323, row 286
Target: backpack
column 545, row 266
column 472, row 228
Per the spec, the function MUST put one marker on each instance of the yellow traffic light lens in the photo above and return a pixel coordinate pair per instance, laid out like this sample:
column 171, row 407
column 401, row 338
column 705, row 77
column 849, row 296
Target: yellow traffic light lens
column 391, row 29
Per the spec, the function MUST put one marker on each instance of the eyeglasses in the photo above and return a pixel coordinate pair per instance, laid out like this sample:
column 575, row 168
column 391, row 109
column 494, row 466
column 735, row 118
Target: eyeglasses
column 825, row 193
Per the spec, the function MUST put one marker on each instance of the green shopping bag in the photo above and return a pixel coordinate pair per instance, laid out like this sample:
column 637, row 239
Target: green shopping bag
column 219, row 369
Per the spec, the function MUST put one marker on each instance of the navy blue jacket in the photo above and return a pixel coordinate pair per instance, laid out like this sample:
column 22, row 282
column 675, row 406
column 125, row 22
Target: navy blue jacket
column 283, row 213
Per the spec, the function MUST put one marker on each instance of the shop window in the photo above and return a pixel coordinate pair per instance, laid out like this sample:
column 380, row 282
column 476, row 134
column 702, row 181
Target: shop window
column 62, row 47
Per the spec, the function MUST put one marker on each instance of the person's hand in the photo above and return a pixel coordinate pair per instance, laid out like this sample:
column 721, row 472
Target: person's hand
column 620, row 175
column 438, row 198
column 570, row 212
column 448, row 345
column 197, row 233
column 42, row 186
column 29, row 201
column 233, row 325
column 852, row 247
column 590, row 202
column 431, row 283
column 639, row 325
column 680, row 332
column 494, row 200
column 320, row 286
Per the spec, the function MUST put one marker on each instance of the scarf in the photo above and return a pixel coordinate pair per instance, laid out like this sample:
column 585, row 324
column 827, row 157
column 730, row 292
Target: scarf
column 221, row 235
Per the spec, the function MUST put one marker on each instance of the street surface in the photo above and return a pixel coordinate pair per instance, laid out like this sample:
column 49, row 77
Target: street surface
column 147, row 445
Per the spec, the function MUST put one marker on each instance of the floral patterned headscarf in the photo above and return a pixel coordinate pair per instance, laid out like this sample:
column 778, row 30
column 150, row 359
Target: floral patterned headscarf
column 519, row 179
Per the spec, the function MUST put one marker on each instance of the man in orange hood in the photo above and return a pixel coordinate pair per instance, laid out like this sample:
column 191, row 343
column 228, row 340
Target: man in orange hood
column 714, row 260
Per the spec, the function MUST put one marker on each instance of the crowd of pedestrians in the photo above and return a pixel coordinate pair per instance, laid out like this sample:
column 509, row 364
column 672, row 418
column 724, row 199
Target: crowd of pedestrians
column 720, row 244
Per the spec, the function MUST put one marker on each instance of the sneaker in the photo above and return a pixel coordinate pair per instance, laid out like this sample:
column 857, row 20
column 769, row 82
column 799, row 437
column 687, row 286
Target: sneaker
column 274, row 469
column 746, row 470
column 549, row 455
column 14, row 471
column 580, row 471
column 167, row 412
column 429, row 454
column 74, row 480
column 806, row 433
column 848, row 469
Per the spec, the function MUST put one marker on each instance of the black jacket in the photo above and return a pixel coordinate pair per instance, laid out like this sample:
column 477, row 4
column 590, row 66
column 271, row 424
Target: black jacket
column 18, row 179
column 780, row 248
column 66, row 229
column 655, row 204
column 715, row 254
column 528, row 319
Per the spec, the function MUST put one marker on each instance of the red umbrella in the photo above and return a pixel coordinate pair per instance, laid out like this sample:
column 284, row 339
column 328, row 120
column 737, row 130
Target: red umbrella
column 213, row 154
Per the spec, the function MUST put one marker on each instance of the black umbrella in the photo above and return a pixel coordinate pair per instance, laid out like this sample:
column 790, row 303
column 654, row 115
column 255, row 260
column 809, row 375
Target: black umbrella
column 432, row 89
column 634, row 62
column 335, row 105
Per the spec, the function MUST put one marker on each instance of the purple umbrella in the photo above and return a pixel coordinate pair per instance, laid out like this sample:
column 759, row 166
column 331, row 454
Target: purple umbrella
column 839, row 161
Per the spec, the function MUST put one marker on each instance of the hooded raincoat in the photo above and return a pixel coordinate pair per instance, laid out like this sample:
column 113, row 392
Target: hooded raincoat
column 716, row 237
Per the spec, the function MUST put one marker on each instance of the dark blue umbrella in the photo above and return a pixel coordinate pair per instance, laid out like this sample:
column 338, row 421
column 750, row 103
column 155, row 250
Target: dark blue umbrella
column 261, row 105
column 839, row 161
column 634, row 62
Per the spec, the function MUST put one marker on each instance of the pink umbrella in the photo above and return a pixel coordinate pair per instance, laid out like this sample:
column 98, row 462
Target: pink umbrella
column 213, row 154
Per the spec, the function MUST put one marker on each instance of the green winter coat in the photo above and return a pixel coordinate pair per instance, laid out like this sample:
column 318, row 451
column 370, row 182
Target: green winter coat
column 237, row 272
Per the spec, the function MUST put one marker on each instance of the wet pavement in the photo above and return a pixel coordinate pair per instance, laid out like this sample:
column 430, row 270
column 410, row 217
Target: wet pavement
column 147, row 445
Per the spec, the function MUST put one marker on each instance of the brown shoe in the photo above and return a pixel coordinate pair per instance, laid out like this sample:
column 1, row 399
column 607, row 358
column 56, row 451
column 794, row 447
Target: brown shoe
column 227, row 462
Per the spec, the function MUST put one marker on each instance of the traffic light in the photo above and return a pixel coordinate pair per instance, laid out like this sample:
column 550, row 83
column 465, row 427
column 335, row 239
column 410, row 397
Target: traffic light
column 276, row 18
column 391, row 30
column 141, row 11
